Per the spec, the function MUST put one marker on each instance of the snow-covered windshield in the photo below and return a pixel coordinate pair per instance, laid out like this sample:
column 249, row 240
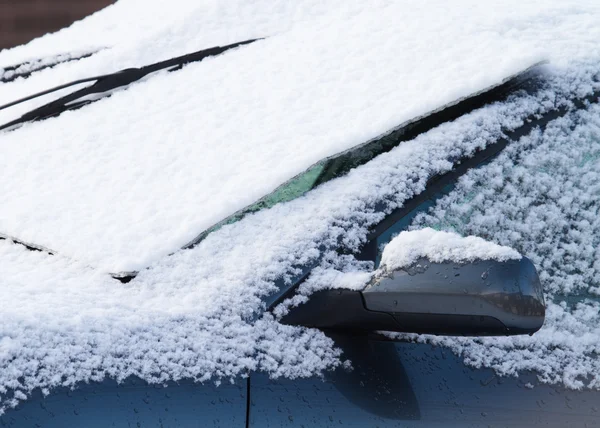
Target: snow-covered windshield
column 122, row 183
column 195, row 146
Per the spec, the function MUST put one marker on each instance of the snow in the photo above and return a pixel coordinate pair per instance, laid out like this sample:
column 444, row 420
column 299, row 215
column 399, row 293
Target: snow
column 258, row 117
column 13, row 73
column 100, row 184
column 93, row 326
column 125, row 21
column 409, row 246
column 198, row 312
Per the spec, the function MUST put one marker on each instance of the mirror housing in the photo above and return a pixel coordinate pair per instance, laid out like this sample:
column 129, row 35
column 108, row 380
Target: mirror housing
column 482, row 298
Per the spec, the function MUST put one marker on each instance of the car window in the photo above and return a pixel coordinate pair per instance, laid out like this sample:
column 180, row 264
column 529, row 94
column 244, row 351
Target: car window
column 340, row 164
column 541, row 196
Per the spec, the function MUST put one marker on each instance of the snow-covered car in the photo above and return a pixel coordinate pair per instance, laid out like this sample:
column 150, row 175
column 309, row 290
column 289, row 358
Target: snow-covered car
column 304, row 214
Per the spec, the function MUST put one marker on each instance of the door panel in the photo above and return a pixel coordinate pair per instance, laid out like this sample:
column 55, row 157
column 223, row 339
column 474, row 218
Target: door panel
column 133, row 403
column 415, row 385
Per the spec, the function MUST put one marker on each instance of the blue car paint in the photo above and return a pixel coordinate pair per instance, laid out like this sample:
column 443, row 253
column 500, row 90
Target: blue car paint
column 390, row 385
column 416, row 385
column 134, row 403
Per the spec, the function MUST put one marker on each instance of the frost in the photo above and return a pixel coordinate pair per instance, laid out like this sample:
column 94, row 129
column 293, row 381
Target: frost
column 405, row 249
column 95, row 327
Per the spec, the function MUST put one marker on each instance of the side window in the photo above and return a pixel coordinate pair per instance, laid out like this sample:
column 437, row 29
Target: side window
column 340, row 164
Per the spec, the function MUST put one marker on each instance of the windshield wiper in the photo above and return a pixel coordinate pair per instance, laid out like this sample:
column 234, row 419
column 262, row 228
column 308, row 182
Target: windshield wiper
column 104, row 84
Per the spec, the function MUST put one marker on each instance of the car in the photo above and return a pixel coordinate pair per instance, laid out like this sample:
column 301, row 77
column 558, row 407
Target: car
column 333, row 215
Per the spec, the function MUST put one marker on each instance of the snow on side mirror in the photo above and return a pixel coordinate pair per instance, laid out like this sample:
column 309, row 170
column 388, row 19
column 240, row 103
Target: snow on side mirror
column 436, row 283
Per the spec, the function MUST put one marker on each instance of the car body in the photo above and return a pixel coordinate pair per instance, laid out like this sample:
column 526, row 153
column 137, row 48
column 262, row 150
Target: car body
column 198, row 327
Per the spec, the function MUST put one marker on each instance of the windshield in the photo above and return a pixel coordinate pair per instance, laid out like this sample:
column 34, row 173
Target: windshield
column 231, row 137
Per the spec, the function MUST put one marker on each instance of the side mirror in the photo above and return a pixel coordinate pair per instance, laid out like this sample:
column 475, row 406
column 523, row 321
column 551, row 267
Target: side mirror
column 485, row 297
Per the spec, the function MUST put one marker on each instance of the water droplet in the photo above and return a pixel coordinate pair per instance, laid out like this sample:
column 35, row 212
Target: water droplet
column 484, row 275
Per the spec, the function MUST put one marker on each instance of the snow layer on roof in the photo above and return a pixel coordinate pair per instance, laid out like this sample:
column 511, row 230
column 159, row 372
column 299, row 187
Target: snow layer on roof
column 542, row 197
column 144, row 172
column 198, row 313
column 409, row 246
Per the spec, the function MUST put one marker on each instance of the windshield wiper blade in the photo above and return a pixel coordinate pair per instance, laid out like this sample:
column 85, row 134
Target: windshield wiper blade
column 25, row 69
column 106, row 83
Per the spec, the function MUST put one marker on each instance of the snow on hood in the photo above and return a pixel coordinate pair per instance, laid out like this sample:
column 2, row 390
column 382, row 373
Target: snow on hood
column 144, row 172
column 120, row 183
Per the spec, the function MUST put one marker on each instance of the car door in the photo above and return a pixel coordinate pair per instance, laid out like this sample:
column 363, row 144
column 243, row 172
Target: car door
column 134, row 403
column 415, row 385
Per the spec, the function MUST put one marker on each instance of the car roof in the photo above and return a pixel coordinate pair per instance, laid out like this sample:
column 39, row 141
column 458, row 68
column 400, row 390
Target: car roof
column 124, row 182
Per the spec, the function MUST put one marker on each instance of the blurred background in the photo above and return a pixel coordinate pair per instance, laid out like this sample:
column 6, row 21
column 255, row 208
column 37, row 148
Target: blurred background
column 23, row 20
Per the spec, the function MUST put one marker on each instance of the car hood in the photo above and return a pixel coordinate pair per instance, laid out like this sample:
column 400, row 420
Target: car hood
column 132, row 178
